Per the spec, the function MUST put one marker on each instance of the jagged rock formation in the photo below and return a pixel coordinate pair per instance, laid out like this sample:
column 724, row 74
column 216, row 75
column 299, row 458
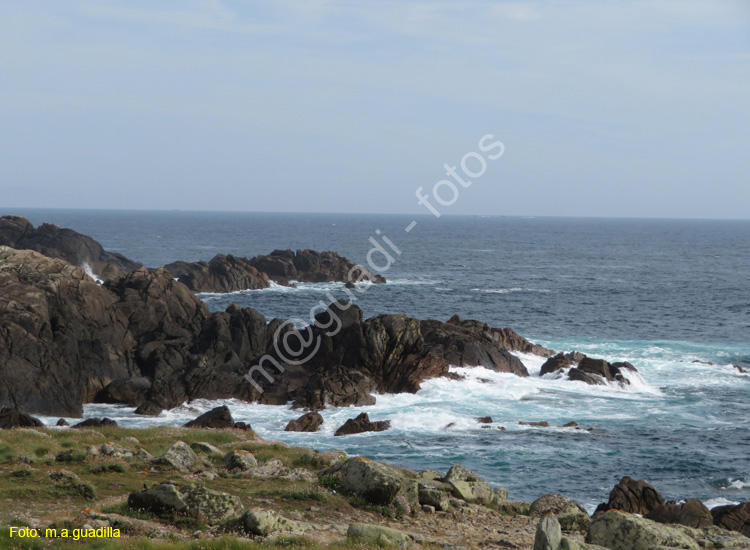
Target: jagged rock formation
column 230, row 273
column 66, row 244
column 146, row 340
column 596, row 372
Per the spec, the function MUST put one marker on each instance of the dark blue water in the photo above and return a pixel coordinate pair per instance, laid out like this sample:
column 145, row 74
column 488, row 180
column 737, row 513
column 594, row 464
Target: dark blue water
column 659, row 293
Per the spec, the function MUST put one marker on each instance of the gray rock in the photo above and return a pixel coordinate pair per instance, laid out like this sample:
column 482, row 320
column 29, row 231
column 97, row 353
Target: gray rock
column 203, row 447
column 377, row 535
column 620, row 531
column 548, row 534
column 179, row 456
column 195, row 501
column 435, row 493
column 375, row 482
column 468, row 486
column 240, row 460
column 261, row 522
column 571, row 515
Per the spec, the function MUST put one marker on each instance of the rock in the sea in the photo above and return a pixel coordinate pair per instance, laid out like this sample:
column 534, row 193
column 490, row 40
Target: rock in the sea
column 195, row 501
column 179, row 456
column 309, row 422
column 468, row 486
column 692, row 513
column 735, row 517
column 548, row 534
column 377, row 535
column 311, row 266
column 571, row 515
column 240, row 460
column 221, row 274
column 13, row 418
column 561, row 362
column 600, row 372
column 619, row 531
column 484, row 419
column 537, row 424
column 62, row 422
column 362, row 424
column 336, row 386
column 635, row 497
column 261, row 522
column 95, row 423
column 377, row 483
column 217, row 418
column 66, row 244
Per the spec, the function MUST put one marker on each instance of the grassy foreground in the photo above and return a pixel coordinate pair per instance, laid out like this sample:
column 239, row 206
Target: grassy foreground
column 33, row 494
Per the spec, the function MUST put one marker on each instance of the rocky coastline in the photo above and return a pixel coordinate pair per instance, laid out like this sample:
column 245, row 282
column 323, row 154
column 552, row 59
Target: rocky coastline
column 82, row 325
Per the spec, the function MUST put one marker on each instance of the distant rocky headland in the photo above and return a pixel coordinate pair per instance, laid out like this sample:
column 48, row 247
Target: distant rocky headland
column 144, row 339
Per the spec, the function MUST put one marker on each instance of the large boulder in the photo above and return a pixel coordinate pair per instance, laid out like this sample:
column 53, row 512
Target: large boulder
column 635, row 497
column 377, row 535
column 310, row 422
column 240, row 460
column 362, row 424
column 95, row 423
column 377, row 483
column 561, row 362
column 571, row 515
column 179, row 456
column 336, row 386
column 619, row 531
column 692, row 513
column 13, row 418
column 218, row 417
column 195, row 501
column 735, row 517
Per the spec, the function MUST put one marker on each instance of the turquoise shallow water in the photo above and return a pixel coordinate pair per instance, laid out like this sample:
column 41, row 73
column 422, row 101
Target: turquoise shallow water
column 660, row 294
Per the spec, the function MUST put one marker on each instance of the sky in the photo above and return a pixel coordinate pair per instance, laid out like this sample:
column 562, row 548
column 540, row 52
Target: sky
column 627, row 108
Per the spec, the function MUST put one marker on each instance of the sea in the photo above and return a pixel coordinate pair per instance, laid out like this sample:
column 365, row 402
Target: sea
column 670, row 296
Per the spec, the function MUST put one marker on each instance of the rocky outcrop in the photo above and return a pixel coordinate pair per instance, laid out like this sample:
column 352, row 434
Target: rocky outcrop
column 62, row 337
column 52, row 241
column 619, row 531
column 13, row 418
column 377, row 483
column 576, row 366
column 735, row 517
column 362, row 424
column 571, row 515
column 635, row 497
column 95, row 423
column 506, row 338
column 221, row 274
column 692, row 513
column 147, row 341
column 310, row 422
column 468, row 486
column 231, row 273
column 311, row 266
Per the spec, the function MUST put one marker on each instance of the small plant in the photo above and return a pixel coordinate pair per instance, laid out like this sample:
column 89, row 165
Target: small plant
column 331, row 483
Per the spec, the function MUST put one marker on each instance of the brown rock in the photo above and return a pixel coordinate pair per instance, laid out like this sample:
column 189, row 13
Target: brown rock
column 692, row 513
column 734, row 517
column 362, row 424
column 309, row 422
column 633, row 497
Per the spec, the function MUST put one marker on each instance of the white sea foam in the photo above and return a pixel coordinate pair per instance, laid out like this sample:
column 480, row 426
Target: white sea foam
column 90, row 272
column 712, row 503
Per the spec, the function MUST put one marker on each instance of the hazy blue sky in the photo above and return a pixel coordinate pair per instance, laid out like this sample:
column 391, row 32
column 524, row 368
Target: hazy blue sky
column 632, row 108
